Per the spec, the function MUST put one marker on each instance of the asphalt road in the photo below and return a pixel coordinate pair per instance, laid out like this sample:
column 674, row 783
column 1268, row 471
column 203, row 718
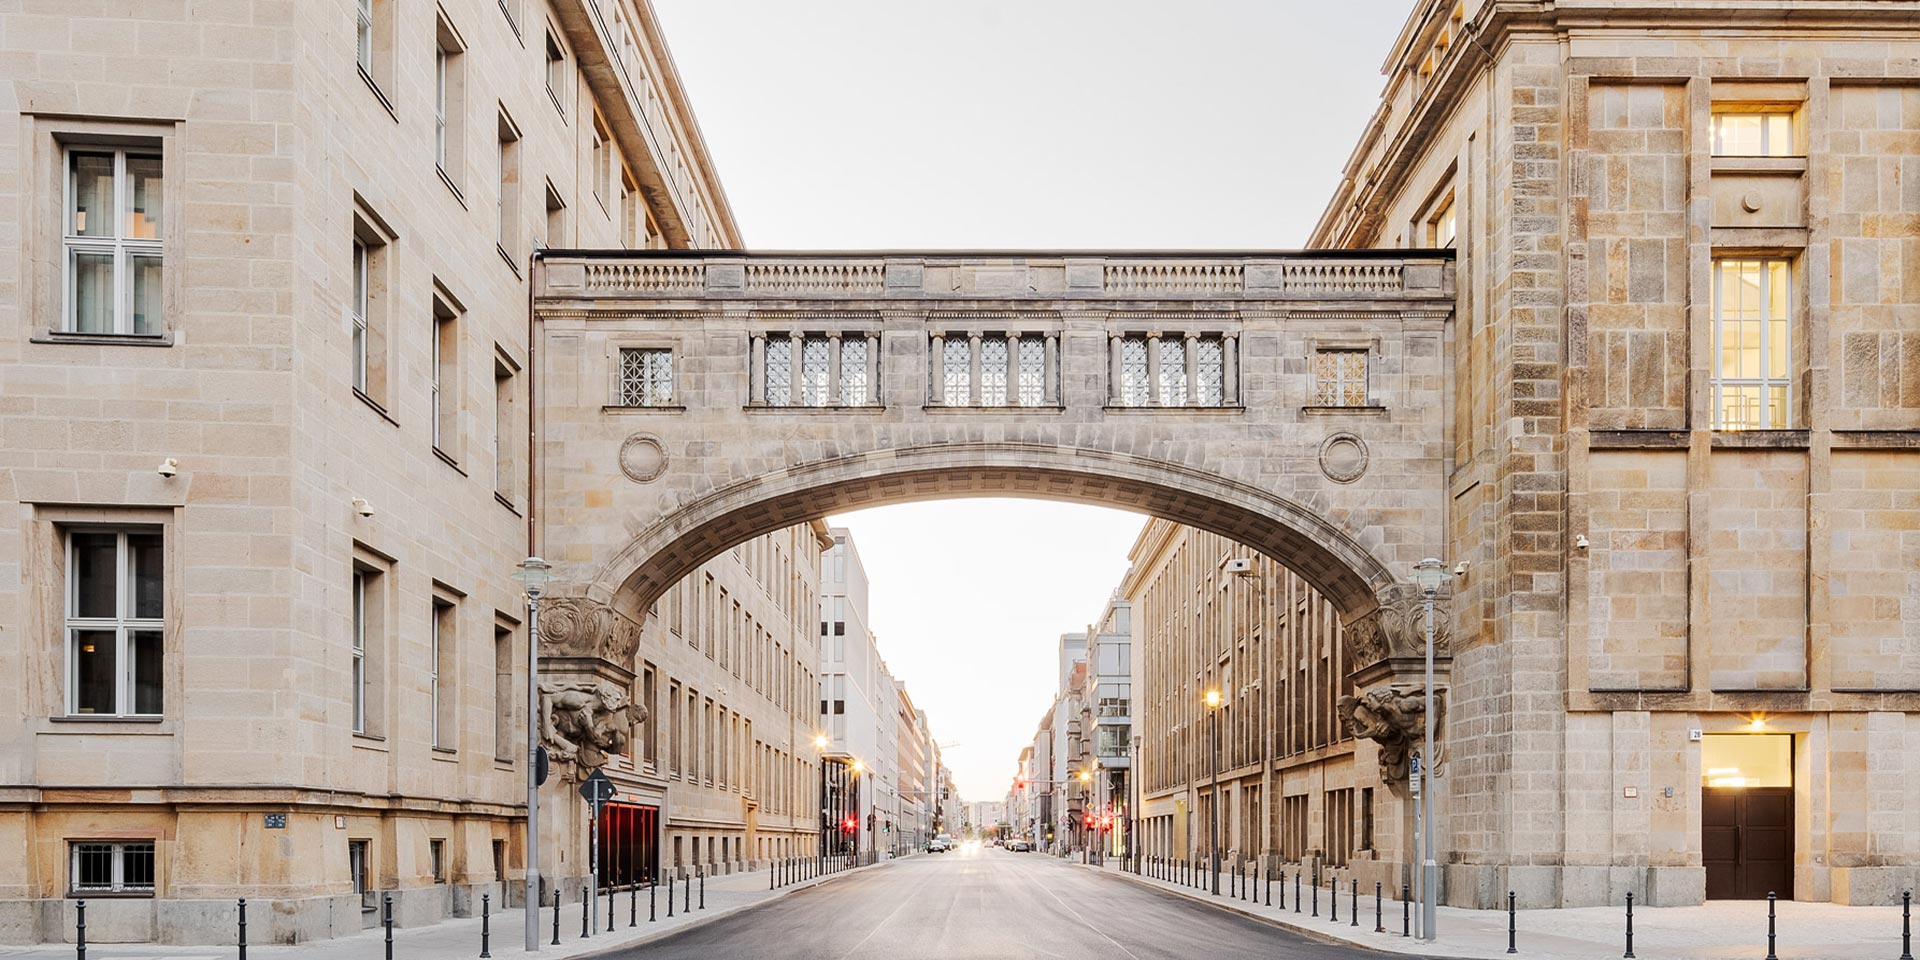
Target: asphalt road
column 985, row 906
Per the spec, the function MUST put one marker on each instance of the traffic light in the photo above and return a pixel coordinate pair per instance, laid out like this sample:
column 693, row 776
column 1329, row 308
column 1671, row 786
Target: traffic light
column 1089, row 821
column 848, row 824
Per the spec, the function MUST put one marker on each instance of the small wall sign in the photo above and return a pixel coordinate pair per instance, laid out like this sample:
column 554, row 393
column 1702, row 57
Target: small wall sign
column 276, row 821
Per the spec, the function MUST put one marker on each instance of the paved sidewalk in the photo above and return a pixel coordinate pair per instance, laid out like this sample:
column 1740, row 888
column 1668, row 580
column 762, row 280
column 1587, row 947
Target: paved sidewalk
column 1720, row 930
column 460, row 939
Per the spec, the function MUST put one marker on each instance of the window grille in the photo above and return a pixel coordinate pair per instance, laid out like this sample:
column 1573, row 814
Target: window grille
column 646, row 377
column 1173, row 371
column 779, row 371
column 1752, row 386
column 1340, row 378
column 1033, row 371
column 112, row 867
column 853, row 371
column 1211, row 366
column 958, row 359
column 814, row 358
column 1134, row 388
column 993, row 371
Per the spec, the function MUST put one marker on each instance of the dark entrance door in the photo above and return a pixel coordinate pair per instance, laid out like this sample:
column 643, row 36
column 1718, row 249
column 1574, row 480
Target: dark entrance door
column 1746, row 838
column 629, row 844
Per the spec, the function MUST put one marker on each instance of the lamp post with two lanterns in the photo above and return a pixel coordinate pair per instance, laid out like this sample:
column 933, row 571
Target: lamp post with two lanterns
column 1428, row 574
column 534, row 574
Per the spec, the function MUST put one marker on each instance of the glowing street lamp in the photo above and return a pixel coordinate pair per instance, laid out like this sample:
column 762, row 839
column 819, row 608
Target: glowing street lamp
column 1212, row 700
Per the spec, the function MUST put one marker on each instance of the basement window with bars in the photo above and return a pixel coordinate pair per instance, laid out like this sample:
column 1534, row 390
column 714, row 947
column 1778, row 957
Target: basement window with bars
column 111, row 867
column 646, row 377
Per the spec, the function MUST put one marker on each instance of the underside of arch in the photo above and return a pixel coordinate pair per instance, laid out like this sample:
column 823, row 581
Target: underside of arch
column 1293, row 535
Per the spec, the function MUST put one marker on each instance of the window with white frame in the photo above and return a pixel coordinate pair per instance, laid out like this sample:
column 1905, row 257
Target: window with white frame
column 115, row 622
column 446, row 377
column 119, row 866
column 1753, row 133
column 1752, row 344
column 111, row 241
column 646, row 377
column 1340, row 378
column 449, row 102
column 441, row 57
column 360, row 578
column 363, row 35
column 556, row 71
column 602, row 164
column 445, row 673
column 1442, row 229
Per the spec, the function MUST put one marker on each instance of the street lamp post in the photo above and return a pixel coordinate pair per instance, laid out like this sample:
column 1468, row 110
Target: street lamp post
column 1135, row 849
column 534, row 573
column 820, row 846
column 1213, row 809
column 1429, row 574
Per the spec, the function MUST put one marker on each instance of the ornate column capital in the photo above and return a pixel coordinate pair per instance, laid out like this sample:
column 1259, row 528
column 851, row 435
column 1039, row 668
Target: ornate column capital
column 578, row 627
column 1389, row 642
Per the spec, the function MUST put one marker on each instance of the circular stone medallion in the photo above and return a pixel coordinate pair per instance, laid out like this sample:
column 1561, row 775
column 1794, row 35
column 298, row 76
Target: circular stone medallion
column 1343, row 458
column 642, row 458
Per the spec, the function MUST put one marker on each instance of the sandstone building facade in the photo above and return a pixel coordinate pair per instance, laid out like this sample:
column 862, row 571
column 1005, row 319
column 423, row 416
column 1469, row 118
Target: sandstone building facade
column 1684, row 437
column 265, row 443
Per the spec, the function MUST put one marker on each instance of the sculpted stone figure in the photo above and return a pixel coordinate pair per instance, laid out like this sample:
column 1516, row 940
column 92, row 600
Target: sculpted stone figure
column 1394, row 718
column 582, row 721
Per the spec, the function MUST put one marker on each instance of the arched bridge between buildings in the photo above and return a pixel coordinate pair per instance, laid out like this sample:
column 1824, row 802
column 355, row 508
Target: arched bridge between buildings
column 1296, row 402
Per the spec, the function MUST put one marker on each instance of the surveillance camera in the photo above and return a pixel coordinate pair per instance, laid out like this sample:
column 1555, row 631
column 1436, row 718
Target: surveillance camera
column 362, row 507
column 169, row 467
column 1237, row 565
column 1460, row 569
column 1580, row 540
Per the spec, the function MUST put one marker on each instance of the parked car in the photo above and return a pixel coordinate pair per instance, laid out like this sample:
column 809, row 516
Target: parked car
column 1018, row 845
column 937, row 845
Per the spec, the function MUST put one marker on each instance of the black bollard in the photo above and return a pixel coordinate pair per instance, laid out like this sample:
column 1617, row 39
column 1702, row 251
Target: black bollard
column 669, row 897
column 1296, row 891
column 586, row 904
column 1406, row 911
column 1266, row 876
column 1379, row 925
column 486, row 924
column 243, row 932
column 633, row 905
column 1333, row 898
column 1629, row 954
column 609, row 905
column 386, row 920
column 556, row 916
column 1770, row 953
column 1510, row 926
column 772, row 872
column 703, row 888
column 1906, row 925
column 687, row 907
column 80, row 928
column 1316, row 897
column 653, row 915
column 1353, row 912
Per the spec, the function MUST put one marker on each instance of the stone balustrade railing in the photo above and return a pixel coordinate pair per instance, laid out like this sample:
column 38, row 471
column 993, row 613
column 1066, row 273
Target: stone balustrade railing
column 1330, row 275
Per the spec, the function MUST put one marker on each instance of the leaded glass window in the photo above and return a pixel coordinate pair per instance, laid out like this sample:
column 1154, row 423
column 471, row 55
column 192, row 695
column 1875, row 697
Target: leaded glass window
column 646, row 378
column 853, row 371
column 1033, row 371
column 957, row 391
column 1210, row 360
column 1340, row 378
column 1134, row 388
column 814, row 359
column 993, row 371
column 1173, row 371
column 1752, row 344
column 779, row 371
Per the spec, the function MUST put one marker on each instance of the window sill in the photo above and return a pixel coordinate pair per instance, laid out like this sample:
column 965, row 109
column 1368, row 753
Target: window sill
column 447, row 754
column 378, row 94
column 370, row 741
column 982, row 407
column 506, row 503
column 109, row 894
column 105, row 339
column 831, row 408
column 1318, row 410
column 98, row 718
column 452, row 187
column 619, row 408
column 1761, row 439
column 1740, row 164
column 508, row 257
column 375, row 404
column 503, row 763
column 557, row 105
column 1156, row 408
column 448, row 459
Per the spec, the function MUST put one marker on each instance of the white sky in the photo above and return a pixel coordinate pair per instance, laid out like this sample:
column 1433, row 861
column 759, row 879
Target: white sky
column 1019, row 124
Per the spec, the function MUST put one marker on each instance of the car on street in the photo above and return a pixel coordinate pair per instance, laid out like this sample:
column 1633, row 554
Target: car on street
column 1019, row 846
column 937, row 845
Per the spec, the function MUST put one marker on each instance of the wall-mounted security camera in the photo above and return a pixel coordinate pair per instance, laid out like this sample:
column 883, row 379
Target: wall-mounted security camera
column 1460, row 569
column 1580, row 541
column 1241, row 565
column 362, row 507
column 169, row 468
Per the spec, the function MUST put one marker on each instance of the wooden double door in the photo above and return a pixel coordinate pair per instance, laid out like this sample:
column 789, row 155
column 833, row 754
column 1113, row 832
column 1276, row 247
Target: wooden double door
column 1746, row 838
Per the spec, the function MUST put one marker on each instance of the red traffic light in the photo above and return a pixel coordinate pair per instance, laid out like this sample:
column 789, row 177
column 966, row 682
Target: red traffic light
column 1089, row 821
column 847, row 824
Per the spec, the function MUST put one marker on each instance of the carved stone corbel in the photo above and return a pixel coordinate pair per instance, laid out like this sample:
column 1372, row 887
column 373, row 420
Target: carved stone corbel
column 1395, row 718
column 576, row 627
column 582, row 722
column 1389, row 642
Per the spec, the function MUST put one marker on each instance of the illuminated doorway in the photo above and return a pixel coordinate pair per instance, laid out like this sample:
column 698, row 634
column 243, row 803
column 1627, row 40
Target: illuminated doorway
column 1746, row 815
